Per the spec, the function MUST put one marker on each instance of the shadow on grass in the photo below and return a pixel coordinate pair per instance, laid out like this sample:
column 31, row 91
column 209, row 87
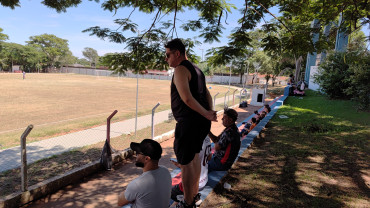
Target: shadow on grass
column 315, row 158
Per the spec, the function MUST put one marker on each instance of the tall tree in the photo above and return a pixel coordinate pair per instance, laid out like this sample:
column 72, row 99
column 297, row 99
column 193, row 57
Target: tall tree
column 213, row 14
column 31, row 58
column 3, row 36
column 68, row 59
column 91, row 55
column 2, row 57
column 54, row 48
column 11, row 55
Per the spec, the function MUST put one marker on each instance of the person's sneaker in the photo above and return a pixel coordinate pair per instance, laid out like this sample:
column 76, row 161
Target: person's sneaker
column 197, row 200
column 183, row 204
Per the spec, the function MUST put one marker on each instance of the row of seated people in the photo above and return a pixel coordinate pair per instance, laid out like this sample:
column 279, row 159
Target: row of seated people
column 151, row 188
column 255, row 120
column 154, row 187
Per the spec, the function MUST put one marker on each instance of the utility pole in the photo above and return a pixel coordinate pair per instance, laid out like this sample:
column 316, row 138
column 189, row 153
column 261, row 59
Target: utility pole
column 202, row 53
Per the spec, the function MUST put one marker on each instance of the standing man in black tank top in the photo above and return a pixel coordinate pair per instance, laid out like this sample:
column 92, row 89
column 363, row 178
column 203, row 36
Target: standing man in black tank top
column 191, row 105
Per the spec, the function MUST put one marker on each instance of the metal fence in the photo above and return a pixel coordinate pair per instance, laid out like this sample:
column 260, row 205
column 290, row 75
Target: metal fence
column 37, row 159
column 104, row 73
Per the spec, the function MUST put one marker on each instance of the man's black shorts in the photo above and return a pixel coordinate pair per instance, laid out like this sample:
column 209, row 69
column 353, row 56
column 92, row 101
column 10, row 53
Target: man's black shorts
column 189, row 137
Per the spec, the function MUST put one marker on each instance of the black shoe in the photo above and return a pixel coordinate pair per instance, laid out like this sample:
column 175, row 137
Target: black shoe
column 183, row 204
column 197, row 200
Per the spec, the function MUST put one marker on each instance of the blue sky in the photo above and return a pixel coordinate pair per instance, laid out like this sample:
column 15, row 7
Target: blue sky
column 33, row 18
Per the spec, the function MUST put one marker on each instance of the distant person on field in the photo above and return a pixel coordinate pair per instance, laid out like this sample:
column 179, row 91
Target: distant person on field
column 24, row 75
column 227, row 144
column 153, row 187
column 191, row 105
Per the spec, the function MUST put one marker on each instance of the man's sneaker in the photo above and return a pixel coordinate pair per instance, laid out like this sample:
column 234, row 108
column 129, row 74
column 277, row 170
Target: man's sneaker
column 183, row 204
column 197, row 200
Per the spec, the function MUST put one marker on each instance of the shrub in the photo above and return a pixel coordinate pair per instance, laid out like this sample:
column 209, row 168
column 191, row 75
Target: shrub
column 346, row 75
column 332, row 76
column 359, row 80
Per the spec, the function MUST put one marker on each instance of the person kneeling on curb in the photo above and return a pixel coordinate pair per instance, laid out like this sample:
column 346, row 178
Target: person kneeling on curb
column 227, row 144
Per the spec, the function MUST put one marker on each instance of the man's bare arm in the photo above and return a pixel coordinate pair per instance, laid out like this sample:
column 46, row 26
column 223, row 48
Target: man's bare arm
column 213, row 137
column 122, row 201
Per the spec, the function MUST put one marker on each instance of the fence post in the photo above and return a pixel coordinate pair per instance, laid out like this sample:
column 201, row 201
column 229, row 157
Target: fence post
column 214, row 101
column 234, row 96
column 24, row 186
column 240, row 98
column 153, row 119
column 225, row 98
column 108, row 124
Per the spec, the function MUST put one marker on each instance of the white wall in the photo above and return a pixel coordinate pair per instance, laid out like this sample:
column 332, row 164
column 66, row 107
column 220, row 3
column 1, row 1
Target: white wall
column 311, row 85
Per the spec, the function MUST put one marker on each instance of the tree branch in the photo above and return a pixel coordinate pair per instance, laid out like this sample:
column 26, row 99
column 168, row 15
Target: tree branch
column 155, row 19
column 219, row 19
column 245, row 11
column 174, row 20
column 131, row 13
column 276, row 18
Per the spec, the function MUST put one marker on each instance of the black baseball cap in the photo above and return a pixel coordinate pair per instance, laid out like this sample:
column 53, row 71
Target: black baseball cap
column 148, row 147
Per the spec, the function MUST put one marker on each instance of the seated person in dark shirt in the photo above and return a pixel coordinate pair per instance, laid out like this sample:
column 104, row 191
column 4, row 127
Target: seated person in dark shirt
column 252, row 125
column 227, row 144
column 245, row 128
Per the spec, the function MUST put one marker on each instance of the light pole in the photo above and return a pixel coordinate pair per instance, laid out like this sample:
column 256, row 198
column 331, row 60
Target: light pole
column 246, row 77
column 231, row 65
column 137, row 98
column 202, row 53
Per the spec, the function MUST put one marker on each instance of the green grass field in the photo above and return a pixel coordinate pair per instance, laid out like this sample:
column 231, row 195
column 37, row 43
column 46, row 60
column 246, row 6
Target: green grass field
column 317, row 157
column 59, row 103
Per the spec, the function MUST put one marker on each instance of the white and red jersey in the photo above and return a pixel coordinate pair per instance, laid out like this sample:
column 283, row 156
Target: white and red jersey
column 203, row 156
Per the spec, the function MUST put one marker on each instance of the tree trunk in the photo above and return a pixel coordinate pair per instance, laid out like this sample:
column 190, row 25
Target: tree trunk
column 273, row 80
column 297, row 68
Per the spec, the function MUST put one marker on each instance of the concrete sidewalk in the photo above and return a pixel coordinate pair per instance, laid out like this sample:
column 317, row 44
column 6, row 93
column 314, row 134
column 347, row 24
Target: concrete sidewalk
column 11, row 158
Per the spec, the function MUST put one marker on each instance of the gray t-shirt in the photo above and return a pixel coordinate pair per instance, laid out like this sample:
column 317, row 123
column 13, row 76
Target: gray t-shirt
column 151, row 189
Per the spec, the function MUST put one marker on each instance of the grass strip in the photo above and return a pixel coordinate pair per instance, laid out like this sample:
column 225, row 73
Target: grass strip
column 317, row 157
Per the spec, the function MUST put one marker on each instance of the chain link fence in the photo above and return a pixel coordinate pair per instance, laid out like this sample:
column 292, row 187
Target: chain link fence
column 53, row 146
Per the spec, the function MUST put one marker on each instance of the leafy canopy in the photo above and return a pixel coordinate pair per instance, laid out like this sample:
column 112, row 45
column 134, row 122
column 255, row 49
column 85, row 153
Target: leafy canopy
column 295, row 20
column 54, row 48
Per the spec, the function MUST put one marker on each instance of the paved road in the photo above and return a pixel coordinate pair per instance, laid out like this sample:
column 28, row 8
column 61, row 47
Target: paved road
column 11, row 158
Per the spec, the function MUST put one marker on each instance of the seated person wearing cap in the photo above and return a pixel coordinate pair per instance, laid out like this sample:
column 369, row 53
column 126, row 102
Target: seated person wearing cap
column 153, row 187
column 227, row 144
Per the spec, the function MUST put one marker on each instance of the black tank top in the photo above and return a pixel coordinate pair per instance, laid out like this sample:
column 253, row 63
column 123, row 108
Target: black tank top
column 197, row 85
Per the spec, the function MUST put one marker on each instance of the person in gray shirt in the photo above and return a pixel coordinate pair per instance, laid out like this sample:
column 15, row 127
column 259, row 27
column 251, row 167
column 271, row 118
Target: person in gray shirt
column 153, row 187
